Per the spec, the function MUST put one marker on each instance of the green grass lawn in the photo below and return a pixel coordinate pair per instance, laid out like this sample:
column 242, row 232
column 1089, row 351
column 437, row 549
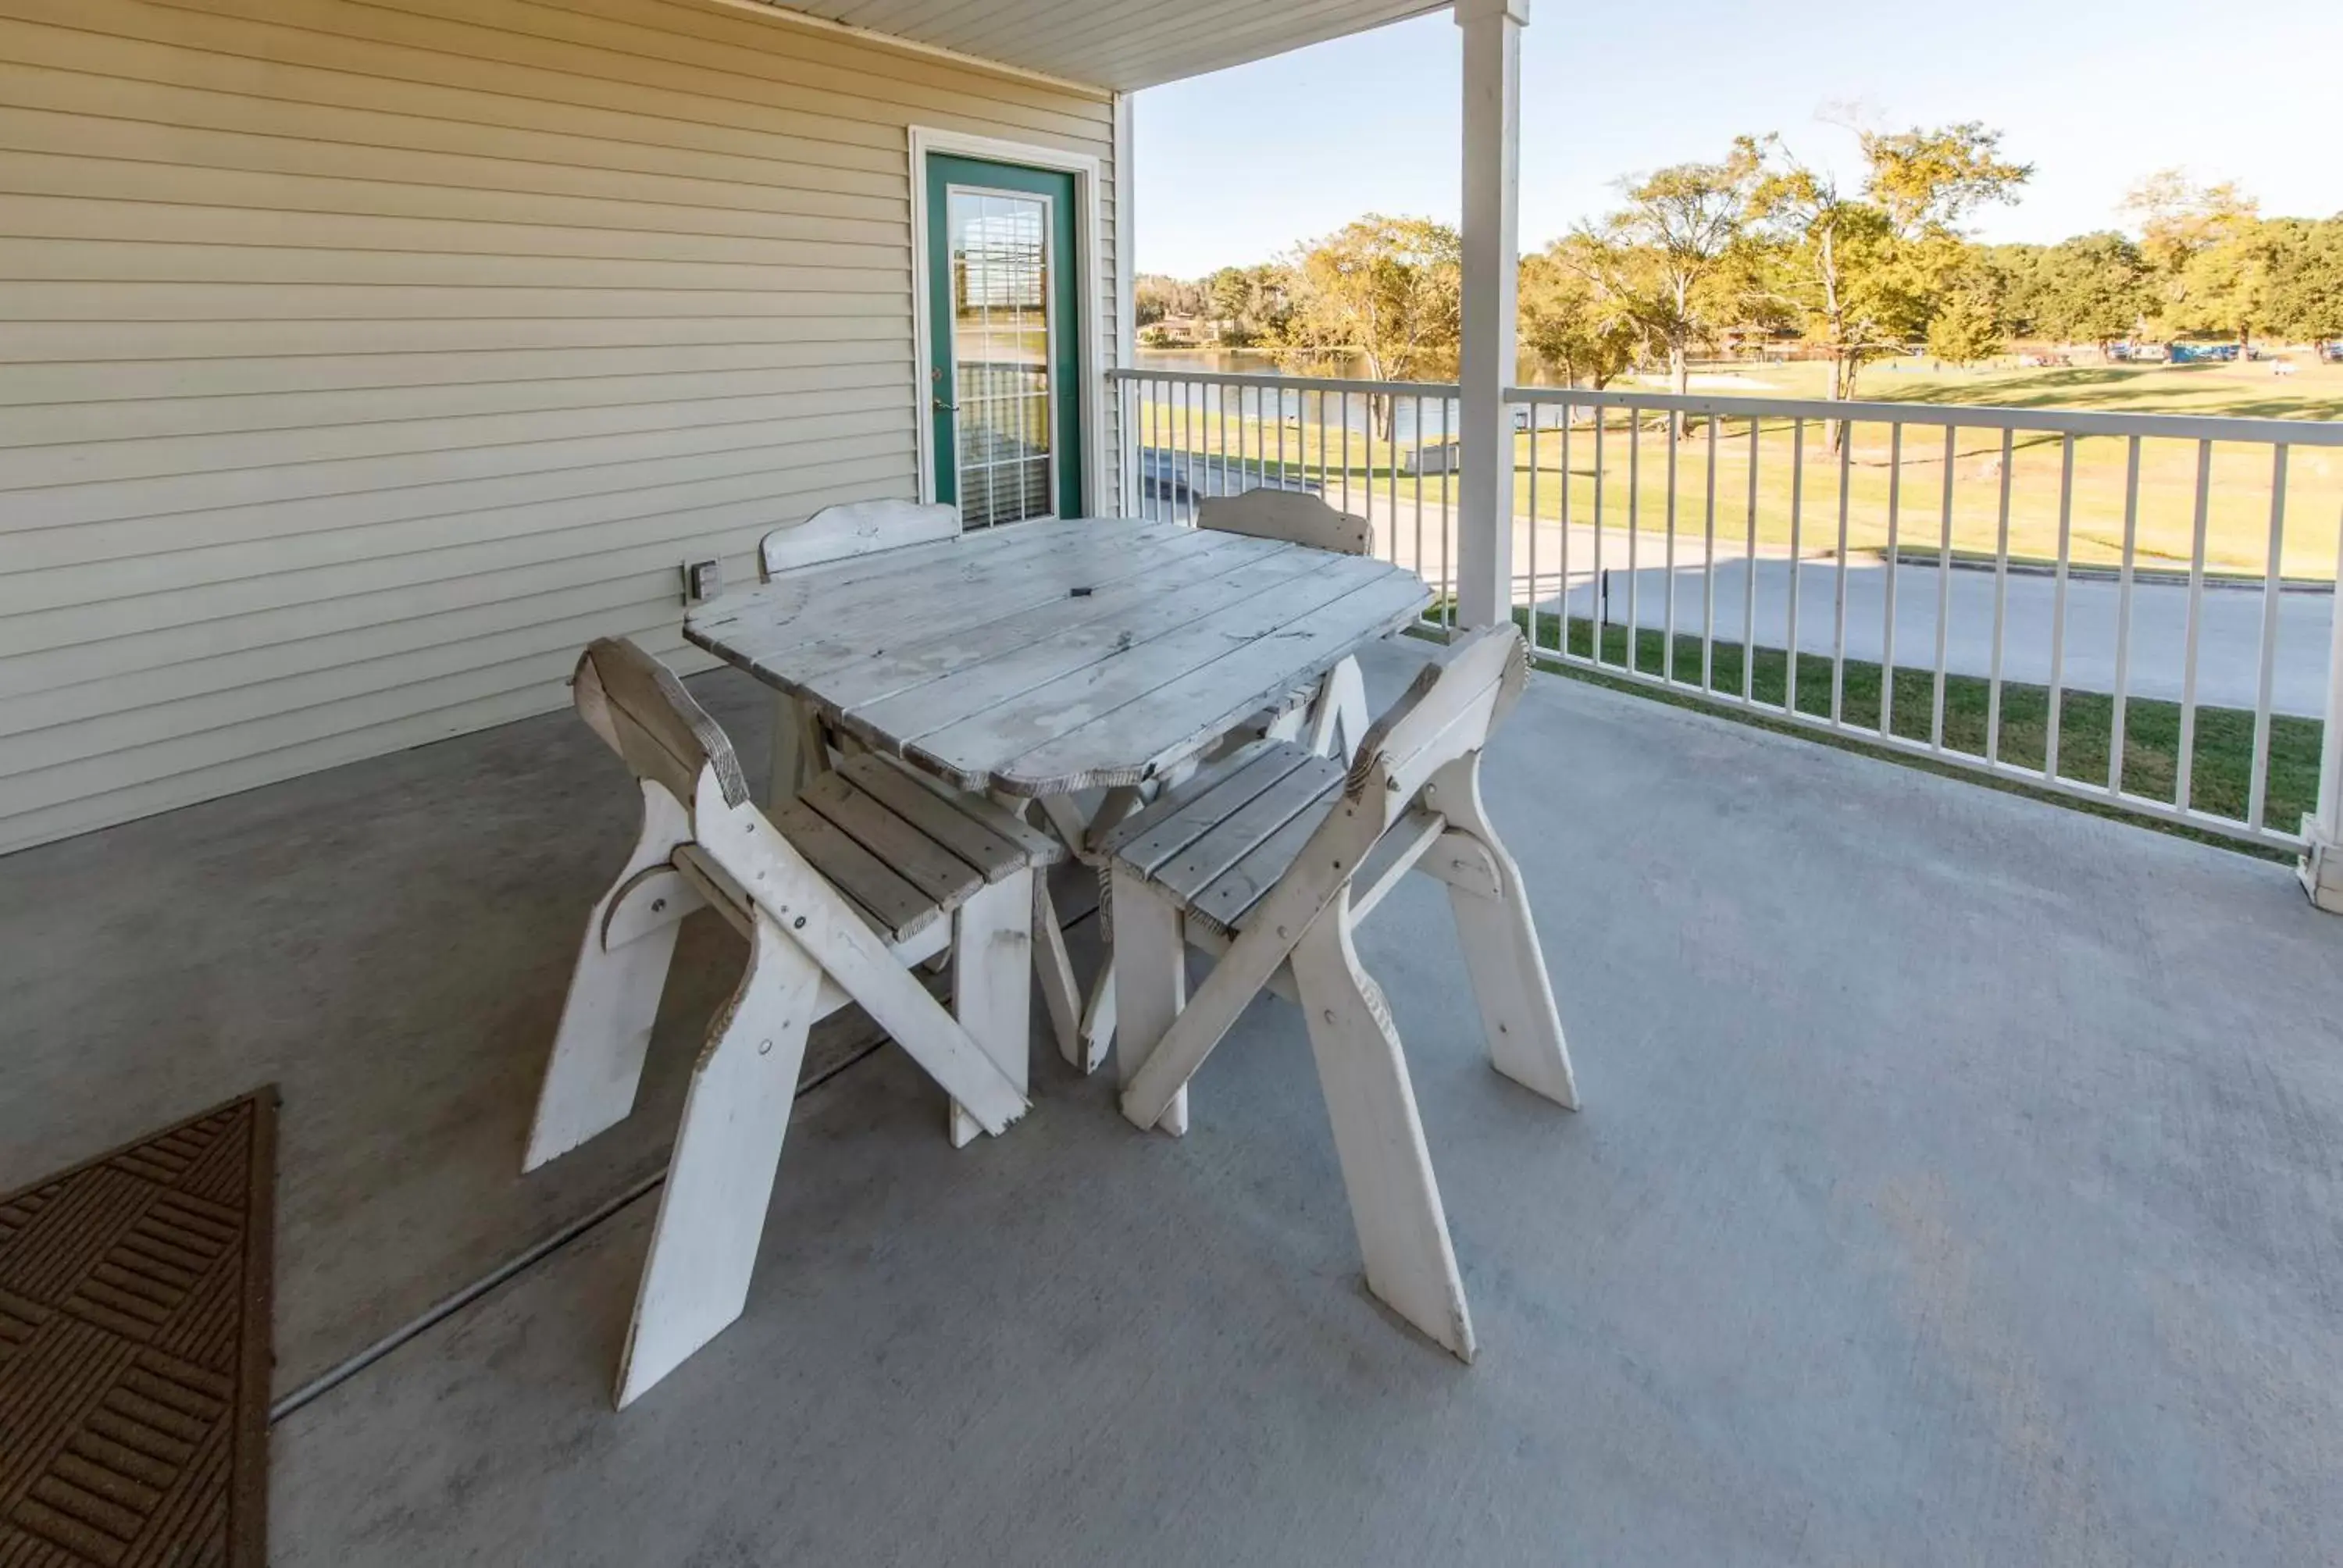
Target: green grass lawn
column 2223, row 752
column 1800, row 482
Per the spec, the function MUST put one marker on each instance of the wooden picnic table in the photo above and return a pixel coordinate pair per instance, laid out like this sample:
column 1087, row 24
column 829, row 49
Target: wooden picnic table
column 1044, row 658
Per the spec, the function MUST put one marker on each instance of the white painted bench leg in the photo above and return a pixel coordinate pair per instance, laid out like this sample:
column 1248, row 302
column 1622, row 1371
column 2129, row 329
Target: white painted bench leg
column 1378, row 1137
column 1053, row 966
column 1502, row 953
column 991, row 956
column 719, row 1180
column 597, row 1060
column 1151, row 982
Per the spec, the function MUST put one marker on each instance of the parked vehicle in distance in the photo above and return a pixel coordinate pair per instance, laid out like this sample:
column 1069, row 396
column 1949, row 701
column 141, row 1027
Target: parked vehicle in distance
column 2331, row 353
column 2204, row 353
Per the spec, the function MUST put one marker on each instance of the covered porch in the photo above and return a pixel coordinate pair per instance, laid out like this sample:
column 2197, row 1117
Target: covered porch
column 1960, row 1178
column 1958, row 1181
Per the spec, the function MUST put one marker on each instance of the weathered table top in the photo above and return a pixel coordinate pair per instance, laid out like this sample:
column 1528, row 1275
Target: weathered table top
column 1050, row 656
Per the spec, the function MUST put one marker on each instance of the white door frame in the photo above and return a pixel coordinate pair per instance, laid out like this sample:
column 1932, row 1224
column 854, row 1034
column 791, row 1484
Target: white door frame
column 1090, row 297
column 1052, row 335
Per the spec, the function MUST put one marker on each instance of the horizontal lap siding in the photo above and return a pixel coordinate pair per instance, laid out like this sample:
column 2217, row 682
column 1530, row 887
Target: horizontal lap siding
column 359, row 362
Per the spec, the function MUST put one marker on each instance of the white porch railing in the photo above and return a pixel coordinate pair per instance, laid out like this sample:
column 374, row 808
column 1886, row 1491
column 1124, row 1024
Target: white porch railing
column 2137, row 610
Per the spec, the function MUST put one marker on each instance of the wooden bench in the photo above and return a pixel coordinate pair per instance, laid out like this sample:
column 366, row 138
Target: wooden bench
column 872, row 870
column 1271, row 859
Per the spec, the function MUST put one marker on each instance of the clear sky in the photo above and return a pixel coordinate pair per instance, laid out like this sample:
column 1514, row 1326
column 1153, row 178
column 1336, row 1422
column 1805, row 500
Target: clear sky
column 1243, row 164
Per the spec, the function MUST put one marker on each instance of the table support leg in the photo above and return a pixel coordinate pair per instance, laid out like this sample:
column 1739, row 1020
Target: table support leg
column 1097, row 1016
column 799, row 753
column 1061, row 994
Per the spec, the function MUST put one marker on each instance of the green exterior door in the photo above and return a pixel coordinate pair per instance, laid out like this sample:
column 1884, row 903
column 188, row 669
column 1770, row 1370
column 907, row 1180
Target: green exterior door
column 1003, row 319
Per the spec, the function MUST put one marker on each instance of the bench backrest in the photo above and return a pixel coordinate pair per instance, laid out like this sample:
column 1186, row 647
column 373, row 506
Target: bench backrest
column 856, row 528
column 1453, row 707
column 642, row 710
column 1289, row 515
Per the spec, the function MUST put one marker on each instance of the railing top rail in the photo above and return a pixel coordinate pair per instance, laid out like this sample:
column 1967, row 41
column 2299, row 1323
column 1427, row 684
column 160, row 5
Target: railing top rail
column 2057, row 421
column 1289, row 382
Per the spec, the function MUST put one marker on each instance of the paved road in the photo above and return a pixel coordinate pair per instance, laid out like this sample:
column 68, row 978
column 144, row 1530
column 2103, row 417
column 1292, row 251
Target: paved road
column 2228, row 656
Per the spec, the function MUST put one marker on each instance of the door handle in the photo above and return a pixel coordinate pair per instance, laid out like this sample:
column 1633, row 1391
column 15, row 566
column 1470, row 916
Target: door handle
column 944, row 407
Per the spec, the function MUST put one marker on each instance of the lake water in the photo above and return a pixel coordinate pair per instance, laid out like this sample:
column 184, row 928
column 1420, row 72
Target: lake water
column 1440, row 417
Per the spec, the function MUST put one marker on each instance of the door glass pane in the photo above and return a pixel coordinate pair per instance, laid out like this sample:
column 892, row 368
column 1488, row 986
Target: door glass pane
column 1001, row 355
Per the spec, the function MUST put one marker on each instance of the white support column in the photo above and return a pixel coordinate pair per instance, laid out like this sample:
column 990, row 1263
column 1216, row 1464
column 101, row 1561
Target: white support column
column 2322, row 858
column 1493, row 125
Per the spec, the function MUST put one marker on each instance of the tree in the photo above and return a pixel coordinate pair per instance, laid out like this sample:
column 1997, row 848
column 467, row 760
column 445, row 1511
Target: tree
column 1387, row 289
column 2206, row 245
column 1864, row 273
column 2092, row 288
column 1663, row 254
column 1966, row 326
column 2306, row 296
column 1570, row 323
column 1252, row 305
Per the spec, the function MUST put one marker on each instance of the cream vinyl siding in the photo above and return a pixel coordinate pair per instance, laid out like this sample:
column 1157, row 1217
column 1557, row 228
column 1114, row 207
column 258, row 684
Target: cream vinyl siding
column 359, row 362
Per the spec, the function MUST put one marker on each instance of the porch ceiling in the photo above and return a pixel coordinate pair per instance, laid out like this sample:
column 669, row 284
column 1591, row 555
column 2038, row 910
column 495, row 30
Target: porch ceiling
column 1117, row 44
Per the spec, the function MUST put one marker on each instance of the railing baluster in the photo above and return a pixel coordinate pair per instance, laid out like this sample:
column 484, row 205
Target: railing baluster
column 1562, row 545
column 1125, row 446
column 1325, row 489
column 1345, row 416
column 1887, row 587
column 2052, row 719
column 1259, row 441
column 1838, row 588
column 1798, row 526
column 1391, row 405
column 1944, row 592
column 1534, row 534
column 2184, row 794
column 1708, row 566
column 2273, row 589
column 2000, row 599
column 1279, row 395
column 1415, row 419
column 1668, row 621
column 1448, row 520
column 1193, row 449
column 2123, row 620
column 1599, row 586
column 1749, row 577
column 1634, row 538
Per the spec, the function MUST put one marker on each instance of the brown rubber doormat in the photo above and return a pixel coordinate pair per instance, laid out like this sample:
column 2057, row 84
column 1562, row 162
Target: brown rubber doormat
column 134, row 1351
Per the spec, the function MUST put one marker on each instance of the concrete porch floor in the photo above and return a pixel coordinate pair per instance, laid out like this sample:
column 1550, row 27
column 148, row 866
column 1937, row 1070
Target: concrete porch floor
column 1960, row 1179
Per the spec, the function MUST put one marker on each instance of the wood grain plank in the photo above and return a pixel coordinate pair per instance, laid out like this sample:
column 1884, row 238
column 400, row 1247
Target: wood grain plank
column 1171, row 824
column 760, row 630
column 1228, row 897
column 1232, row 841
column 910, row 854
column 899, row 910
column 991, row 854
column 1134, row 741
column 851, row 669
column 1030, row 683
column 1102, row 724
